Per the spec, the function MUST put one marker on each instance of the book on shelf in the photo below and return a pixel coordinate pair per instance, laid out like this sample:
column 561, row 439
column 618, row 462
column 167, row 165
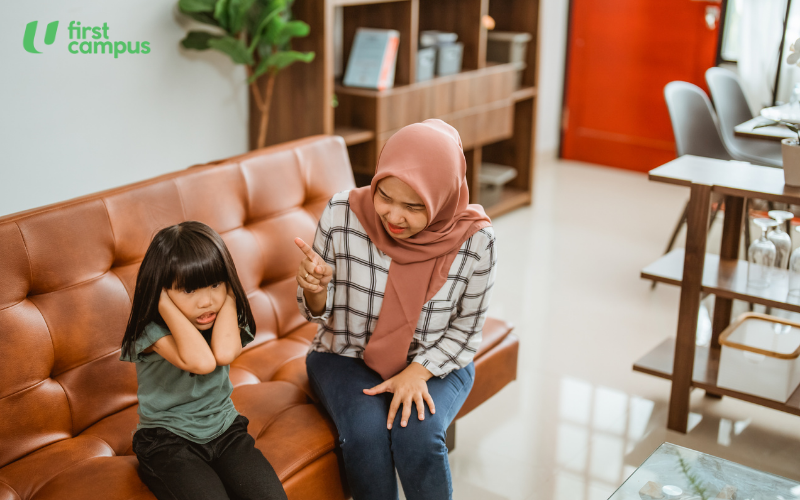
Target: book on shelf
column 372, row 59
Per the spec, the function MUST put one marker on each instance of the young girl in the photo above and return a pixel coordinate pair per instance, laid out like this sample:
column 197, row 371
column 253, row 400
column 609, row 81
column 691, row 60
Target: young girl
column 190, row 319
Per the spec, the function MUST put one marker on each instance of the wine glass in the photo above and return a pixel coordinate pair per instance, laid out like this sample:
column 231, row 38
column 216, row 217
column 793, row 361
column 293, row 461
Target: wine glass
column 781, row 239
column 794, row 271
column 761, row 256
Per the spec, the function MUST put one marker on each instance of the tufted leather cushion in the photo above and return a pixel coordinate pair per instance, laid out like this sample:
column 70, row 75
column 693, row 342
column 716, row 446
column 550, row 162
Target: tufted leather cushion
column 67, row 274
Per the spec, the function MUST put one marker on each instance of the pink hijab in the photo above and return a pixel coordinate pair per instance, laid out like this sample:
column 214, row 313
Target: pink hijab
column 428, row 157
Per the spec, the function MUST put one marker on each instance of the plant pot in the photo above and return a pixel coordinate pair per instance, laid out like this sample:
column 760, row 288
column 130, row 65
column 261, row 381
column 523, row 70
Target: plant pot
column 790, row 149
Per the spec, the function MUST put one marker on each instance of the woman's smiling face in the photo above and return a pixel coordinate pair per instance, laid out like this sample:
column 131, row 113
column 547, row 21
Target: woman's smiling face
column 402, row 212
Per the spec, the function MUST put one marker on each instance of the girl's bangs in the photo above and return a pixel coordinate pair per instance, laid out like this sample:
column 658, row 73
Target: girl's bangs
column 196, row 263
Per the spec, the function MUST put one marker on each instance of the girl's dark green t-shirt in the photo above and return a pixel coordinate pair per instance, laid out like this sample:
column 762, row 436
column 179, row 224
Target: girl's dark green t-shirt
column 195, row 407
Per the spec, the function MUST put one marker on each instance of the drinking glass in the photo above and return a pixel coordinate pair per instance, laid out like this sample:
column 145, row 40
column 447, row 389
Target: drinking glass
column 794, row 99
column 794, row 271
column 761, row 256
column 781, row 239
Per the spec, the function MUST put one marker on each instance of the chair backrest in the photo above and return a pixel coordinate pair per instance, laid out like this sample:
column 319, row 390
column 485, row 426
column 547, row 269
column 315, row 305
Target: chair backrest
column 731, row 105
column 693, row 121
column 68, row 271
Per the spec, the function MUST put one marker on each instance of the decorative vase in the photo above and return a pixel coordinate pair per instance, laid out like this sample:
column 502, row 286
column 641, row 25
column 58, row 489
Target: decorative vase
column 790, row 150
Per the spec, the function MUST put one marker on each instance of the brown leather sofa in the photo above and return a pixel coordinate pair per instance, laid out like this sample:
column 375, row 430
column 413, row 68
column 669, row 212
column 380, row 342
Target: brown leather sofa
column 67, row 274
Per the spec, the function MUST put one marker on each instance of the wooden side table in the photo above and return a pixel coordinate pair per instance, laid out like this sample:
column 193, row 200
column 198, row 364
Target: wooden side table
column 678, row 358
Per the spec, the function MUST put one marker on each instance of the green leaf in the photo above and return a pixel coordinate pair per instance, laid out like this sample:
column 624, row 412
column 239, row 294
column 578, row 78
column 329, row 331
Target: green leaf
column 221, row 14
column 285, row 58
column 279, row 60
column 203, row 17
column 262, row 25
column 292, row 29
column 237, row 12
column 273, row 29
column 187, row 6
column 234, row 48
column 198, row 40
column 767, row 124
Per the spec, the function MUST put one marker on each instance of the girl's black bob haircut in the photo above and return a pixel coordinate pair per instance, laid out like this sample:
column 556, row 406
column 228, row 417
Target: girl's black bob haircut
column 186, row 256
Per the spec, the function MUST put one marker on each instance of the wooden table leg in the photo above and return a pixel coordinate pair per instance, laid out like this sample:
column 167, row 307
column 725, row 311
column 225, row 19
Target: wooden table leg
column 731, row 238
column 683, row 365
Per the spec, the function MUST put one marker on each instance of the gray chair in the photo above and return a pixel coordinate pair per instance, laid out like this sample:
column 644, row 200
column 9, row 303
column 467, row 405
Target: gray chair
column 732, row 109
column 694, row 124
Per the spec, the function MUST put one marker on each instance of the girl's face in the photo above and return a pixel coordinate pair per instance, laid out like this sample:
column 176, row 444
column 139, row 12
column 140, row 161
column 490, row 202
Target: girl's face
column 200, row 306
column 400, row 208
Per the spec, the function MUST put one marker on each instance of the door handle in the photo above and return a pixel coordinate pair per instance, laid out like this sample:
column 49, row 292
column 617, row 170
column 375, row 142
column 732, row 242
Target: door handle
column 712, row 16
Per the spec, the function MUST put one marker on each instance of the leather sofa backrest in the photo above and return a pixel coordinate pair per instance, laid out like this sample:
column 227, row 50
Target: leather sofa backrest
column 67, row 275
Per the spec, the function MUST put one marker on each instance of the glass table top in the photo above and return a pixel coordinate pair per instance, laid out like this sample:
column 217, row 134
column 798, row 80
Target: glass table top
column 674, row 472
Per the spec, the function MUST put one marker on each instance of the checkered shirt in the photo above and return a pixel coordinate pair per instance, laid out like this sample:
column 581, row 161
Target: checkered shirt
column 449, row 329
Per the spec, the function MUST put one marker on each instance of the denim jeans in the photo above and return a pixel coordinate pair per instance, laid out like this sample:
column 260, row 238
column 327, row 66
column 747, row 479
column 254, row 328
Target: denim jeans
column 371, row 452
column 228, row 467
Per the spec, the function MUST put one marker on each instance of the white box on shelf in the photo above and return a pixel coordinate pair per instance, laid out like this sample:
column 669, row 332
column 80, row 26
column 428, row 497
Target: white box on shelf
column 426, row 63
column 760, row 356
column 372, row 59
column 495, row 175
column 431, row 38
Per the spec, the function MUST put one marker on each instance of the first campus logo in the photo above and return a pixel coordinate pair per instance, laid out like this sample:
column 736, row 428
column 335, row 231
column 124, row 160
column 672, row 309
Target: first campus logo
column 87, row 40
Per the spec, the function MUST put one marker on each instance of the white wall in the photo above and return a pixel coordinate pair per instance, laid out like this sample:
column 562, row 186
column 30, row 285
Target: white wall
column 553, row 16
column 75, row 124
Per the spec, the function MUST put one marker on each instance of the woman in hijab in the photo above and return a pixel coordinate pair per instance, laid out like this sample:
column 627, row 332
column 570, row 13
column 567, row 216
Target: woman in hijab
column 399, row 280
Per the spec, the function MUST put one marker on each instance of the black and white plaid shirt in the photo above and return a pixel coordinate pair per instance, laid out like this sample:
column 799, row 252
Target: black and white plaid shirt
column 449, row 329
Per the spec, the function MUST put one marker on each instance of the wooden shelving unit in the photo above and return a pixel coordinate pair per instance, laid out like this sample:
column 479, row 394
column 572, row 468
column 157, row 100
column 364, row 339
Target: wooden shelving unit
column 659, row 362
column 725, row 278
column 495, row 119
column 678, row 359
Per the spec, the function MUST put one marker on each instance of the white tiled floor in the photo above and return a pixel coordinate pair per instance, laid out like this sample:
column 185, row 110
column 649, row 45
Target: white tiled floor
column 578, row 420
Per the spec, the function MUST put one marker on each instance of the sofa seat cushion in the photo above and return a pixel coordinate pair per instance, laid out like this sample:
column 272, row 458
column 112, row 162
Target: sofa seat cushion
column 288, row 429
column 99, row 463
column 494, row 331
column 33, row 472
column 117, row 430
column 109, row 478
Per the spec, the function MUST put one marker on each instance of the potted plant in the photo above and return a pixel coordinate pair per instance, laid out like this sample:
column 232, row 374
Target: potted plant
column 790, row 150
column 256, row 33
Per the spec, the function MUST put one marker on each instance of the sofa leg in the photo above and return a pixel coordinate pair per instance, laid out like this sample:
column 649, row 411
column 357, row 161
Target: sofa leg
column 450, row 439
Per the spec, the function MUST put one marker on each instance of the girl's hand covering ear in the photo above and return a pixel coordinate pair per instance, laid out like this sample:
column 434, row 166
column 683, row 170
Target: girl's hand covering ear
column 165, row 303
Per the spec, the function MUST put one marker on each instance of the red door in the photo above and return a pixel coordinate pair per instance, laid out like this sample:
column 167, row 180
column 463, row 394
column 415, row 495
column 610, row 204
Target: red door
column 621, row 55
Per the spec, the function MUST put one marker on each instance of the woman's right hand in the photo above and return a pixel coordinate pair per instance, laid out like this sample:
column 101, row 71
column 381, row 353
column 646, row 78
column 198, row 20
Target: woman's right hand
column 314, row 274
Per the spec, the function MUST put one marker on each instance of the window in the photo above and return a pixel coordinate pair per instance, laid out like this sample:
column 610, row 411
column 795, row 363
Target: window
column 731, row 29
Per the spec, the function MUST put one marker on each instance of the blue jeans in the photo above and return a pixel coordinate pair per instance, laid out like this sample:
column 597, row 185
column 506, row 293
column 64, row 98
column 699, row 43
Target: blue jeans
column 370, row 451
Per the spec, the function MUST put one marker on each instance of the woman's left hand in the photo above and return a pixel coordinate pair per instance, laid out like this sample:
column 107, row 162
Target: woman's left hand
column 409, row 386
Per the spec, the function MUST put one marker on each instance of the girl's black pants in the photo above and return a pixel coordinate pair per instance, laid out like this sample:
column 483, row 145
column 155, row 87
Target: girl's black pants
column 229, row 467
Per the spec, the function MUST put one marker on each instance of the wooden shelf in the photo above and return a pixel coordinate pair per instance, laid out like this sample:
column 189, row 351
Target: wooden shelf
column 353, row 135
column 524, row 93
column 498, row 201
column 659, row 362
column 725, row 278
column 494, row 118
column 439, row 80
column 734, row 178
